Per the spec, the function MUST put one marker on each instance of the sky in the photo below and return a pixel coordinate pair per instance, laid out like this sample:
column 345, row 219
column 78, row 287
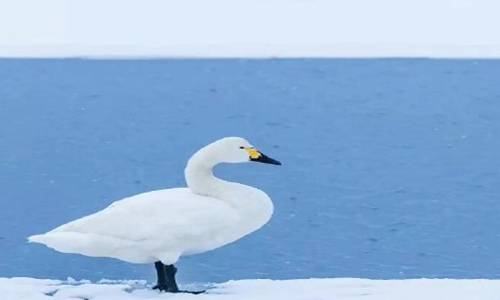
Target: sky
column 257, row 24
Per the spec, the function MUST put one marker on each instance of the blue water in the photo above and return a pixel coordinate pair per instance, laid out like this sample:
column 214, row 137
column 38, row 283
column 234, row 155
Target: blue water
column 391, row 167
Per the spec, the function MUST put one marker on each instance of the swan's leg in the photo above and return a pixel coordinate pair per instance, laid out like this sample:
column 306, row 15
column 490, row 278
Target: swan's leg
column 162, row 279
column 170, row 271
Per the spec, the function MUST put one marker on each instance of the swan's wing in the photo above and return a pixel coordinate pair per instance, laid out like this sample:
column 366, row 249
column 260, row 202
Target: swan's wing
column 171, row 213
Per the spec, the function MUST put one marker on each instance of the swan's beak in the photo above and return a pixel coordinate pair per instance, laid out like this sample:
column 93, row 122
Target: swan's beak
column 258, row 156
column 266, row 159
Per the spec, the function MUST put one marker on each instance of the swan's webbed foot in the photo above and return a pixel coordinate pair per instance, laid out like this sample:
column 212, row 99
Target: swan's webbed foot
column 193, row 292
column 162, row 287
column 165, row 288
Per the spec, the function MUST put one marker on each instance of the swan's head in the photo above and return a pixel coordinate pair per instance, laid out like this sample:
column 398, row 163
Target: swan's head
column 237, row 150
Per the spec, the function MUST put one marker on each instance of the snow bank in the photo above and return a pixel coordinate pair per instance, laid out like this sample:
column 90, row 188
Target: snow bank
column 304, row 289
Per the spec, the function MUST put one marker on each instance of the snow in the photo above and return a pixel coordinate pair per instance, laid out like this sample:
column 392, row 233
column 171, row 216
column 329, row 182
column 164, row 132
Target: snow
column 249, row 28
column 261, row 289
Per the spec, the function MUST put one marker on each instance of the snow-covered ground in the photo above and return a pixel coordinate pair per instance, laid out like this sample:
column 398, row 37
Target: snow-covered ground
column 307, row 289
column 250, row 28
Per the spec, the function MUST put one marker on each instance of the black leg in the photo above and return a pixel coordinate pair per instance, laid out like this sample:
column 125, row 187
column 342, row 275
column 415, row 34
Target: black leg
column 166, row 279
column 162, row 279
column 170, row 271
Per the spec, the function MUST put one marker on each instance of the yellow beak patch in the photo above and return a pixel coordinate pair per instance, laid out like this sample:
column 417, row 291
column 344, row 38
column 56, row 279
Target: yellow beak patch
column 254, row 153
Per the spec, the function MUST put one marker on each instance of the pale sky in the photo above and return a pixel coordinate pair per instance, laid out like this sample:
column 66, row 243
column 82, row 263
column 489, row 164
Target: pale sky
column 160, row 23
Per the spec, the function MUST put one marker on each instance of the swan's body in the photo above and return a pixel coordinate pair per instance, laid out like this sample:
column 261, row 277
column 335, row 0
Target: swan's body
column 163, row 225
column 153, row 226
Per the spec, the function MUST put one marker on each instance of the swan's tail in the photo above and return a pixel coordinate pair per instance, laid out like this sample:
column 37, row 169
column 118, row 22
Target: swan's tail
column 87, row 244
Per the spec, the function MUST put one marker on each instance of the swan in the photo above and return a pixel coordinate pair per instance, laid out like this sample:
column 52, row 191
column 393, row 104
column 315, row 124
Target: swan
column 161, row 226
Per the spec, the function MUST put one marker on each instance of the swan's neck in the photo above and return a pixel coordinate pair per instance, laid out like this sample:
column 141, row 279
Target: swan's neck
column 200, row 178
column 255, row 205
column 202, row 181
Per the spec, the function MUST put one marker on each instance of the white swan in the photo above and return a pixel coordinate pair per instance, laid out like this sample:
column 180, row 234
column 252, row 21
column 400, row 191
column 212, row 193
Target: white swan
column 161, row 226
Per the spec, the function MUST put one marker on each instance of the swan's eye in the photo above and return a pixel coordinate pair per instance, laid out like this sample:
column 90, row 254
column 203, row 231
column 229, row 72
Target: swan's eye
column 242, row 147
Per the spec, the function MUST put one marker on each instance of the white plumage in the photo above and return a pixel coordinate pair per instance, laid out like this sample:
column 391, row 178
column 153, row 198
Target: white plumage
column 166, row 224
